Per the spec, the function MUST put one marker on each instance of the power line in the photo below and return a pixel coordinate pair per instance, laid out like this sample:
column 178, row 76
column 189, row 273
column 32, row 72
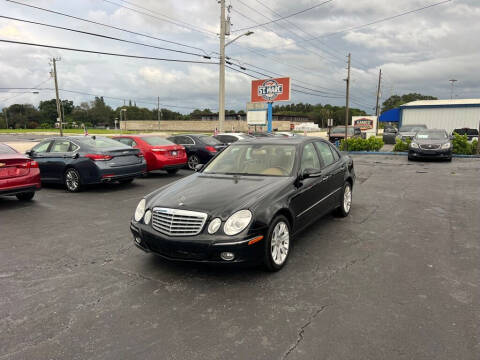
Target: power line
column 378, row 21
column 104, row 36
column 106, row 53
column 167, row 19
column 106, row 25
column 34, row 88
column 285, row 17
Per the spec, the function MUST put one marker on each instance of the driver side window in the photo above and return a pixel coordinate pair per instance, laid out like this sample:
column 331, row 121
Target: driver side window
column 309, row 158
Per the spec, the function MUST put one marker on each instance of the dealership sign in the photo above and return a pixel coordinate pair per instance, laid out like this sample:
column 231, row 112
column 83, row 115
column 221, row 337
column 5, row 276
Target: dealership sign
column 364, row 123
column 271, row 90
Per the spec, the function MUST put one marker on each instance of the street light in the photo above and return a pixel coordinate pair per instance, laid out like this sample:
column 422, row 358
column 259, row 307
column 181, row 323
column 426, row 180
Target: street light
column 221, row 100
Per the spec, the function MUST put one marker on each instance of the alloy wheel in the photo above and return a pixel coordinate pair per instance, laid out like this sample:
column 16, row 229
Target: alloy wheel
column 192, row 162
column 347, row 198
column 72, row 180
column 280, row 243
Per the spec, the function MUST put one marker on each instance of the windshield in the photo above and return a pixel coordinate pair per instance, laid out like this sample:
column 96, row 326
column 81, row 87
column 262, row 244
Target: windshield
column 341, row 130
column 254, row 159
column 411, row 128
column 209, row 140
column 100, row 142
column 431, row 135
column 157, row 140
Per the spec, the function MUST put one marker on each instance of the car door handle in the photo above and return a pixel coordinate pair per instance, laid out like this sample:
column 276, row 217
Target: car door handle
column 325, row 178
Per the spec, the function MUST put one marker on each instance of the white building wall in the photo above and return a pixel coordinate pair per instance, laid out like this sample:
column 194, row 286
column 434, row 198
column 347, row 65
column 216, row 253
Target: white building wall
column 447, row 118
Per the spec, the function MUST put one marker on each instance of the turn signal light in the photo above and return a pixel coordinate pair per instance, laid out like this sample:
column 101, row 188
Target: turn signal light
column 99, row 157
column 255, row 240
column 33, row 165
column 210, row 148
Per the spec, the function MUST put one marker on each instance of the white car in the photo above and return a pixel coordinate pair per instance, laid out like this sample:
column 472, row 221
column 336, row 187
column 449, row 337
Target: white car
column 229, row 138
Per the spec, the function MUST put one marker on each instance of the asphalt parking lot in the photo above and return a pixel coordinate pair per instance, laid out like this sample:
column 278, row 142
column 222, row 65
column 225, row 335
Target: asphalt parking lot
column 398, row 279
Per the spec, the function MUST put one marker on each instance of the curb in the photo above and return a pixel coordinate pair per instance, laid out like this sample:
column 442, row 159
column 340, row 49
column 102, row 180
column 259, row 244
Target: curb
column 401, row 153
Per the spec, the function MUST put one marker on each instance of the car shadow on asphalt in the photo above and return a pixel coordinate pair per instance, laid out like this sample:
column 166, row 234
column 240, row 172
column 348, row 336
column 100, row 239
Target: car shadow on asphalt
column 11, row 202
column 98, row 188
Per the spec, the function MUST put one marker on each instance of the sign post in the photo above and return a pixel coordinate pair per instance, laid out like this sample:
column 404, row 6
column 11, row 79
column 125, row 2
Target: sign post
column 270, row 90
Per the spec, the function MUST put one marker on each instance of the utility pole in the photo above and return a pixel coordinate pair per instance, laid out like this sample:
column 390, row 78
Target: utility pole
column 221, row 90
column 158, row 111
column 377, row 108
column 347, row 101
column 59, row 111
column 452, row 81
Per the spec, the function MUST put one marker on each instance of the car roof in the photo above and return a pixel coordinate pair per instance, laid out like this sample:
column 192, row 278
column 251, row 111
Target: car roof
column 291, row 140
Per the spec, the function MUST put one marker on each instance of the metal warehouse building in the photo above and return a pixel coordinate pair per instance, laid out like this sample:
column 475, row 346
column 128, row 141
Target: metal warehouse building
column 442, row 114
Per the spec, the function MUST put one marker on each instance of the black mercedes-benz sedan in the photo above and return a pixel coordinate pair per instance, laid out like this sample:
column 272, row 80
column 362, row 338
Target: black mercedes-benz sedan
column 76, row 161
column 247, row 203
column 430, row 143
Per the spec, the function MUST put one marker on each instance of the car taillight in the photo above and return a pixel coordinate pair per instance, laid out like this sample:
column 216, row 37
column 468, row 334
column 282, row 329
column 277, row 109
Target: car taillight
column 33, row 165
column 210, row 148
column 99, row 157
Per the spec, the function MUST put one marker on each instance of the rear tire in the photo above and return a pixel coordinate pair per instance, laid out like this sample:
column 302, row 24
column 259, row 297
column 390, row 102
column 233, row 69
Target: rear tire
column 277, row 244
column 193, row 161
column 71, row 179
column 172, row 171
column 345, row 201
column 26, row 196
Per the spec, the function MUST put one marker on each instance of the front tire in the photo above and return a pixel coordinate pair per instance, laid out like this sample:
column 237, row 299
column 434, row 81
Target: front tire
column 172, row 171
column 26, row 196
column 193, row 161
column 346, row 201
column 277, row 244
column 72, row 180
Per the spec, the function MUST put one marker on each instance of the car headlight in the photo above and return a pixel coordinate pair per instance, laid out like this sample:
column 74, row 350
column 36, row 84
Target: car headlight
column 140, row 210
column 414, row 145
column 237, row 222
column 214, row 225
column 147, row 217
column 446, row 145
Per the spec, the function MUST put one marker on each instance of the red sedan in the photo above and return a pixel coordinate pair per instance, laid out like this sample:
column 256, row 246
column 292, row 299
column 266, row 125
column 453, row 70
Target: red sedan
column 19, row 175
column 160, row 153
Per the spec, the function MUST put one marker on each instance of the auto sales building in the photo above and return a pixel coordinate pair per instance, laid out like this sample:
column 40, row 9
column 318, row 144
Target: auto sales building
column 437, row 114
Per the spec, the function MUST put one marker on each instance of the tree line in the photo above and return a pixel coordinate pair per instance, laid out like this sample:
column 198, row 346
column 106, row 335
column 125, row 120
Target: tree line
column 98, row 113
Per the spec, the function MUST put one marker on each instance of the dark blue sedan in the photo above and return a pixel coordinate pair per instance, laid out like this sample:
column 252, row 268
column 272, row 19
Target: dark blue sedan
column 76, row 161
column 200, row 148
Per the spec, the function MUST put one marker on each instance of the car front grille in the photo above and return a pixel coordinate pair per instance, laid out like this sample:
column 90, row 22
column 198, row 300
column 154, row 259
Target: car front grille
column 430, row 147
column 178, row 222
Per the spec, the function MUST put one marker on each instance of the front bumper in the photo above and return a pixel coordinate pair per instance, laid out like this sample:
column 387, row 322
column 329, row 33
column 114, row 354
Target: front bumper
column 200, row 248
column 434, row 153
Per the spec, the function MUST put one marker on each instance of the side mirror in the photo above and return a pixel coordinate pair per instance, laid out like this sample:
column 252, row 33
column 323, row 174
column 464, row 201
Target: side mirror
column 309, row 173
column 29, row 152
column 75, row 156
column 198, row 167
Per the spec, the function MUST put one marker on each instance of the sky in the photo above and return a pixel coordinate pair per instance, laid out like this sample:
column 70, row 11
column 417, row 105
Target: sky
column 417, row 52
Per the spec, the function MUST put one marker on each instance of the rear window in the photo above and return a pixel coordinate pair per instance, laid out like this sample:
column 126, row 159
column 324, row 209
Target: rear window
column 5, row 149
column 101, row 142
column 209, row 140
column 156, row 140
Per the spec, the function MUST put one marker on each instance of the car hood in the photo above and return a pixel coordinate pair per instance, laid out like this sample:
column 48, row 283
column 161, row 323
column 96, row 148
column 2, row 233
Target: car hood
column 218, row 195
column 431, row 141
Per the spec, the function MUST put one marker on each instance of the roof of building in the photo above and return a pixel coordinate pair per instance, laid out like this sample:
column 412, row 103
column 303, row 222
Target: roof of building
column 454, row 102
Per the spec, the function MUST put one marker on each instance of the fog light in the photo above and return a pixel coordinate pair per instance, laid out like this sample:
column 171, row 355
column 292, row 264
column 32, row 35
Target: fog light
column 228, row 256
column 138, row 240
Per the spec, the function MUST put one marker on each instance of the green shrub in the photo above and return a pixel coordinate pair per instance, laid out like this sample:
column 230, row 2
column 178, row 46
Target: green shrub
column 45, row 126
column 461, row 145
column 358, row 144
column 474, row 146
column 402, row 145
